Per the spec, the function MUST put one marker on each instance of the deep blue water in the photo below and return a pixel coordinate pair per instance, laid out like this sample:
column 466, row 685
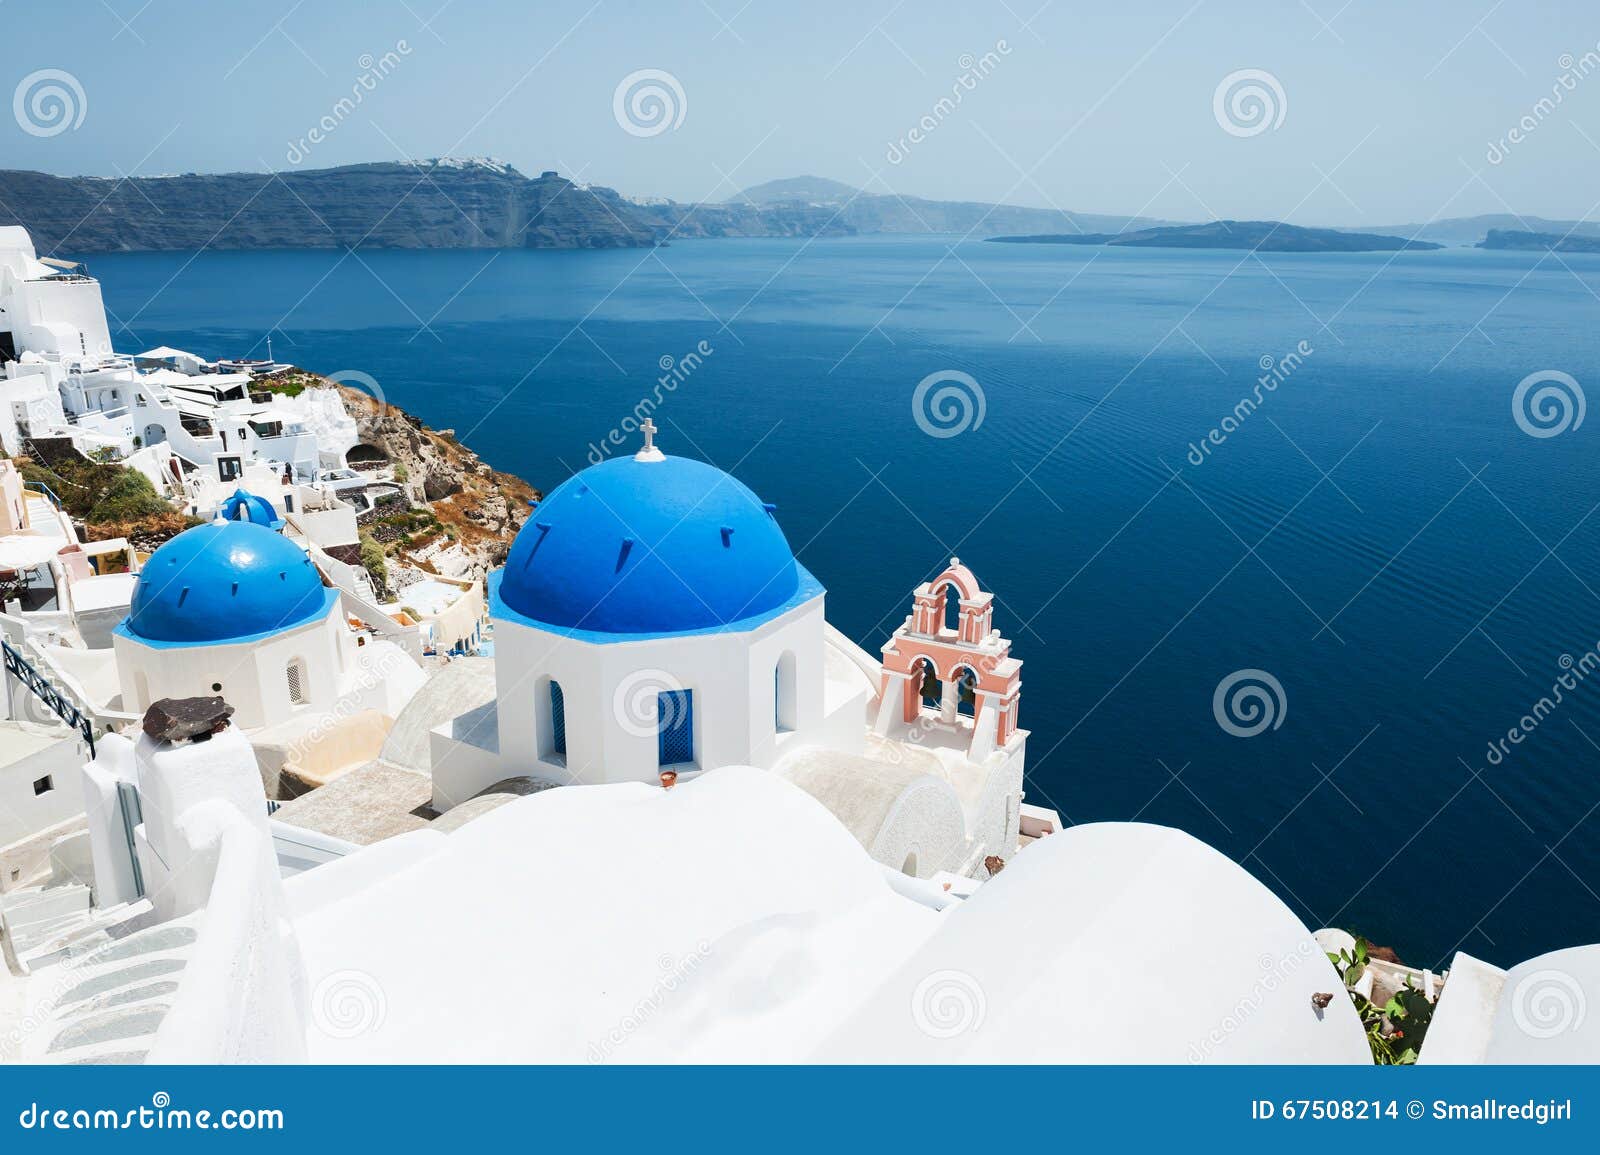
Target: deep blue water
column 1411, row 613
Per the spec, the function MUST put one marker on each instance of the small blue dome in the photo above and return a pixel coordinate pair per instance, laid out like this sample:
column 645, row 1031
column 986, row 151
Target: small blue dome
column 246, row 506
column 649, row 547
column 224, row 582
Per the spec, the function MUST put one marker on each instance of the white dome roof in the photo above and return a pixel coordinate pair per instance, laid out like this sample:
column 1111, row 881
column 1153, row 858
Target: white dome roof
column 1114, row 942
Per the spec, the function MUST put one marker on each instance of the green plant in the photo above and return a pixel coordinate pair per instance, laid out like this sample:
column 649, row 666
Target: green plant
column 400, row 473
column 372, row 560
column 1395, row 1031
column 128, row 495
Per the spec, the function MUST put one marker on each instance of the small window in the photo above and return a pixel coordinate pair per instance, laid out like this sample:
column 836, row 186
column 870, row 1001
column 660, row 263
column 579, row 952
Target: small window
column 785, row 712
column 297, row 683
column 675, row 719
column 44, row 785
column 558, row 719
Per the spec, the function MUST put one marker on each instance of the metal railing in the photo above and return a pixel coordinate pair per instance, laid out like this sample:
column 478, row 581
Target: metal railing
column 41, row 487
column 42, row 688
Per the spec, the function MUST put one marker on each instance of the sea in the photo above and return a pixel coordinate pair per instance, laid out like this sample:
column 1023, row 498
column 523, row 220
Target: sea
column 1298, row 550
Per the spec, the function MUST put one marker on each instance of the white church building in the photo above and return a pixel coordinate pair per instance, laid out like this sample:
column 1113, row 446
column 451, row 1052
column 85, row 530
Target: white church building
column 234, row 609
column 651, row 620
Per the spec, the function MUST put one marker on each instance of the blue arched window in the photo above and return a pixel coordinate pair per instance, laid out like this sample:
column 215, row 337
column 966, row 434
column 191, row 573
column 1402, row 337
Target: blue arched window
column 675, row 717
column 558, row 719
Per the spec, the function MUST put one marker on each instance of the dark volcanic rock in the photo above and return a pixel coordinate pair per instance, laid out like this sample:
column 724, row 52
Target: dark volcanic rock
column 186, row 719
column 423, row 205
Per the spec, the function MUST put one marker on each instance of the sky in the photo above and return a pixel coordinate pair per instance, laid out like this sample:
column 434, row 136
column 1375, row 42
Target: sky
column 1372, row 112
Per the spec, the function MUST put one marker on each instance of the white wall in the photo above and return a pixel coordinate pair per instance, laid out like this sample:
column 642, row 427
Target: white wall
column 59, row 315
column 730, row 674
column 24, row 813
column 253, row 675
column 29, row 396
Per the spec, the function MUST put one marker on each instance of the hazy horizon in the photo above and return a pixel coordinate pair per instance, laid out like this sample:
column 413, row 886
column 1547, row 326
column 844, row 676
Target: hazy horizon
column 1366, row 116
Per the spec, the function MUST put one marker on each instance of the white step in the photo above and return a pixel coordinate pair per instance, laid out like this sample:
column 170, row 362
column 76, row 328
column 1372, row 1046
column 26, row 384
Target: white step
column 81, row 936
column 41, row 904
column 114, row 994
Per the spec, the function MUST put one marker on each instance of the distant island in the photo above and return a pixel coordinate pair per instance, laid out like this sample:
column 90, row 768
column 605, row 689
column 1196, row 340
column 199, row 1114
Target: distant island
column 1252, row 236
column 463, row 203
column 1519, row 239
column 479, row 203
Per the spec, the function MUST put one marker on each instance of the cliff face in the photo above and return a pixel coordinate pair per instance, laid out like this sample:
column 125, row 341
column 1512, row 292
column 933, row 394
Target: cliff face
column 427, row 205
column 678, row 220
column 478, row 507
column 454, row 204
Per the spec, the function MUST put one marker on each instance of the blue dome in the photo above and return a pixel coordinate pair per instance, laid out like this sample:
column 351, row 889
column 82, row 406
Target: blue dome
column 649, row 547
column 225, row 582
column 246, row 506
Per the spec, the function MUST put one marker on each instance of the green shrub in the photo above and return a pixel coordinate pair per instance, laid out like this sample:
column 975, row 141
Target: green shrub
column 128, row 495
column 372, row 560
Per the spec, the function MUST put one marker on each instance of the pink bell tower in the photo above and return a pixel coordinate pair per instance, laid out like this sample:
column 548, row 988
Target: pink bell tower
column 972, row 654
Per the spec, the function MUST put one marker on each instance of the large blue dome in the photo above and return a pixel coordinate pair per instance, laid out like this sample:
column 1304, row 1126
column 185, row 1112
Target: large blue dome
column 632, row 547
column 227, row 581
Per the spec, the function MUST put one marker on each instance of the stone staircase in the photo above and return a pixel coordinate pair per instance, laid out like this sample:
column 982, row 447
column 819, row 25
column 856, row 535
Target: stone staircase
column 100, row 987
column 36, row 914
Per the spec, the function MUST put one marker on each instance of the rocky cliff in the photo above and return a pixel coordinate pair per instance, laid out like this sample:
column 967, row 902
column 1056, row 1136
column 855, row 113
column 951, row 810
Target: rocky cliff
column 423, row 205
column 464, row 513
column 464, row 204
